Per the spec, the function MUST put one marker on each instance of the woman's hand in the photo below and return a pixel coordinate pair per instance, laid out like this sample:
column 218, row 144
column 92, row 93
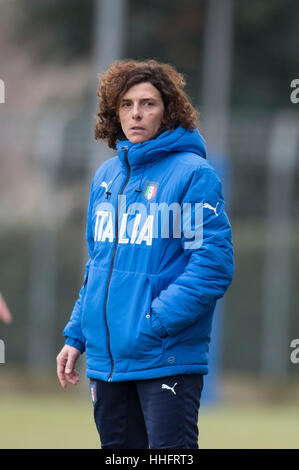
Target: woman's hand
column 5, row 314
column 66, row 361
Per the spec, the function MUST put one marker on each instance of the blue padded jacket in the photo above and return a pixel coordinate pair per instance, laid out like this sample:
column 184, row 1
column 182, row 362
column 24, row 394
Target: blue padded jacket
column 160, row 255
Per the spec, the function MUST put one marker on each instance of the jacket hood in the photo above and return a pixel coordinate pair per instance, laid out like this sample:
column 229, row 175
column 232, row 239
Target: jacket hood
column 177, row 140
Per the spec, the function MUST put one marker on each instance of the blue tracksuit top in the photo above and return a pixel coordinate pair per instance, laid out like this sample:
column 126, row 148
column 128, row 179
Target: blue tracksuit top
column 160, row 255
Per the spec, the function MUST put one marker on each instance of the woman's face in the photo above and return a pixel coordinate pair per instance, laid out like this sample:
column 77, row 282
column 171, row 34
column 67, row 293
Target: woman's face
column 141, row 111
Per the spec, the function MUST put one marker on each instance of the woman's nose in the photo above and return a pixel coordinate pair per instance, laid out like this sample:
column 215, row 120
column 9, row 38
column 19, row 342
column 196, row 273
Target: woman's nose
column 136, row 112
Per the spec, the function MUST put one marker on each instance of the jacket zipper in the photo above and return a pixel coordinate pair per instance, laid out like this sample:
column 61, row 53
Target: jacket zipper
column 112, row 263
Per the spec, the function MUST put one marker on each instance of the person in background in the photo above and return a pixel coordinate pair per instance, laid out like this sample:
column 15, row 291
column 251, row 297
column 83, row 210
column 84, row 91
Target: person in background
column 145, row 310
column 5, row 314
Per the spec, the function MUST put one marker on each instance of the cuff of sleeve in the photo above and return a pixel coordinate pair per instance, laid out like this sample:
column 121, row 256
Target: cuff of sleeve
column 75, row 343
column 157, row 326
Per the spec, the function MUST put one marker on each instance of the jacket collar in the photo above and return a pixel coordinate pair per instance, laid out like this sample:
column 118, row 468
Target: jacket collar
column 143, row 153
column 169, row 141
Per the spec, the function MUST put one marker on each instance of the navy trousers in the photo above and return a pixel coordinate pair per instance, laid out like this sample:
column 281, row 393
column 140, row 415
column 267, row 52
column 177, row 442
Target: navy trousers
column 157, row 413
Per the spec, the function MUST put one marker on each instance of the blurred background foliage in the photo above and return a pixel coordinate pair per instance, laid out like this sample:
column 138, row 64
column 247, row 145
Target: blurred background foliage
column 266, row 40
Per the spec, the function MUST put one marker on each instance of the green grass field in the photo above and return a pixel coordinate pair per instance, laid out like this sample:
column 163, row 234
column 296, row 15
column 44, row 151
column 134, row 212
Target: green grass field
column 65, row 421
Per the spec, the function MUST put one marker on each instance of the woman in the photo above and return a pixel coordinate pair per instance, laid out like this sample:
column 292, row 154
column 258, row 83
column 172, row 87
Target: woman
column 161, row 255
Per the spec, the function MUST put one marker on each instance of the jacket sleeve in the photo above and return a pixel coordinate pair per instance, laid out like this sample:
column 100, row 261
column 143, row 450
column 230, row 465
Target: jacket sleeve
column 72, row 331
column 209, row 268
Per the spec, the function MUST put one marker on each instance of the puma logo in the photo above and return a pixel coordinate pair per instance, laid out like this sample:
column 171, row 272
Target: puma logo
column 167, row 387
column 208, row 206
column 106, row 185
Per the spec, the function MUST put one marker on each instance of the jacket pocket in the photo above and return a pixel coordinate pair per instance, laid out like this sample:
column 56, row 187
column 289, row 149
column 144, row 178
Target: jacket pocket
column 92, row 320
column 129, row 320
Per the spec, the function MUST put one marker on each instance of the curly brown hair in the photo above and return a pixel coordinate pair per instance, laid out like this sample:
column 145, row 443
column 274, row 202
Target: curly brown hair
column 121, row 76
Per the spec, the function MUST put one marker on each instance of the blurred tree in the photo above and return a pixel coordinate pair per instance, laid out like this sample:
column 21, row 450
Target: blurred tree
column 58, row 30
column 266, row 52
column 266, row 40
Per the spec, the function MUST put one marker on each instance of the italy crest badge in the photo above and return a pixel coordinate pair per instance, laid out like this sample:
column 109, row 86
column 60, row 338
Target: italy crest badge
column 150, row 190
